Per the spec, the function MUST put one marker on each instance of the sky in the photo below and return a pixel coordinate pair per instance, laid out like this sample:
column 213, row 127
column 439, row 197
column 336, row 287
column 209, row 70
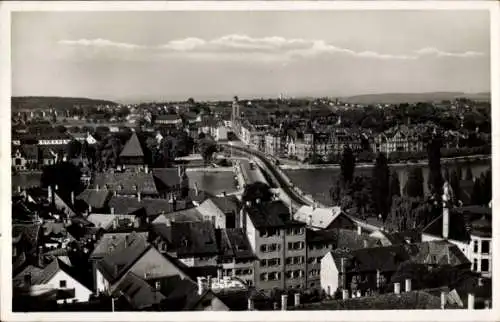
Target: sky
column 134, row 56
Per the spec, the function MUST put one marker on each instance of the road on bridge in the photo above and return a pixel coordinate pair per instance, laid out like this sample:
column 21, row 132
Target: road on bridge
column 282, row 183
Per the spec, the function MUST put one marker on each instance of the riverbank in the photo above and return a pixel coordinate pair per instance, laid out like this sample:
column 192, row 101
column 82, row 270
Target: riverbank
column 397, row 164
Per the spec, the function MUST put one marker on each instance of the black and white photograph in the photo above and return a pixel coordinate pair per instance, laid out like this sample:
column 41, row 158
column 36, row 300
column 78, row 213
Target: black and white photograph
column 249, row 159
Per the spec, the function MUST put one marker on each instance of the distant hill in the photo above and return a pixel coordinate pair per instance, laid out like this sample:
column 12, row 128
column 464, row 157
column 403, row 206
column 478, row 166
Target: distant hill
column 40, row 102
column 397, row 98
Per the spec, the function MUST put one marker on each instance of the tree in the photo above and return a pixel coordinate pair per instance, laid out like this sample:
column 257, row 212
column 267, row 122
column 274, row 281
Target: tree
column 395, row 186
column 408, row 213
column 455, row 184
column 435, row 175
column 65, row 176
column 380, row 185
column 468, row 173
column 73, row 149
column 207, row 149
column 257, row 191
column 476, row 197
column 347, row 164
column 415, row 184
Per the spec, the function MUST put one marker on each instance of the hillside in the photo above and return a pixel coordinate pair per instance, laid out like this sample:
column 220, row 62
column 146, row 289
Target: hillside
column 396, row 98
column 36, row 102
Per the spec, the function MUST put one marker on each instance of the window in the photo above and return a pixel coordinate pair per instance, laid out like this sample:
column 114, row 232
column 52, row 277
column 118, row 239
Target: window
column 474, row 265
column 485, row 247
column 62, row 284
column 18, row 161
column 475, row 246
column 485, row 265
column 296, row 246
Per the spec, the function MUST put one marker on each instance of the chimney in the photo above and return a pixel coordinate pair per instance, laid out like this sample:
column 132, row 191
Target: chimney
column 446, row 222
column 365, row 243
column 257, row 201
column 49, row 193
column 146, row 168
column 297, row 299
column 250, row 304
column 139, row 196
column 90, row 208
column 40, row 256
column 343, row 279
column 443, row 300
column 470, row 301
column 480, row 281
column 408, row 285
column 397, row 288
column 360, row 231
column 487, row 304
column 345, row 294
column 310, row 220
column 112, row 210
column 19, row 190
column 97, row 187
column 168, row 222
column 209, row 282
column 201, row 286
column 224, row 194
column 284, row 302
column 248, row 203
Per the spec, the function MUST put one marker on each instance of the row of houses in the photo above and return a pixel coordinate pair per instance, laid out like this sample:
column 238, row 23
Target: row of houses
column 264, row 244
column 302, row 141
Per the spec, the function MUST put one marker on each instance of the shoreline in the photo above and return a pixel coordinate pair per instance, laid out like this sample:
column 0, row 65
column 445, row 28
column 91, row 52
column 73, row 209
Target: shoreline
column 478, row 157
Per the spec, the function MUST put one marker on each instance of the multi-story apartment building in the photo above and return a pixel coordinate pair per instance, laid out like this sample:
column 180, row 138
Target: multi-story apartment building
column 274, row 143
column 278, row 241
column 236, row 256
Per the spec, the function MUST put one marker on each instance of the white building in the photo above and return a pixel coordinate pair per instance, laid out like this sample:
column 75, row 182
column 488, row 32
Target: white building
column 55, row 276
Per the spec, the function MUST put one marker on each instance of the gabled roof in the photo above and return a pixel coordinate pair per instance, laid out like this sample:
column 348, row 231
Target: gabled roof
column 137, row 292
column 152, row 206
column 340, row 238
column 116, row 241
column 29, row 232
column 118, row 261
column 194, row 239
column 415, row 300
column 385, row 259
column 316, row 216
column 227, row 204
column 185, row 215
column 95, row 198
column 133, row 147
column 166, row 177
column 43, row 276
column 126, row 182
column 234, row 244
column 436, row 253
column 105, row 221
column 273, row 214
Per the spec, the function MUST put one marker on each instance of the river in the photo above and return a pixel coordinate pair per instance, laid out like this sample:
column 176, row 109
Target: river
column 318, row 182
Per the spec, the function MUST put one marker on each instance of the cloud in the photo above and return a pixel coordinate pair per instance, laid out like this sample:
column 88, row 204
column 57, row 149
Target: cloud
column 243, row 47
column 436, row 52
column 99, row 43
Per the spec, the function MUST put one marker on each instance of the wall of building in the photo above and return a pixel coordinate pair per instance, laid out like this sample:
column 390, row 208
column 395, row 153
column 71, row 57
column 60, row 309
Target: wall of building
column 295, row 235
column 480, row 257
column 329, row 276
column 82, row 293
